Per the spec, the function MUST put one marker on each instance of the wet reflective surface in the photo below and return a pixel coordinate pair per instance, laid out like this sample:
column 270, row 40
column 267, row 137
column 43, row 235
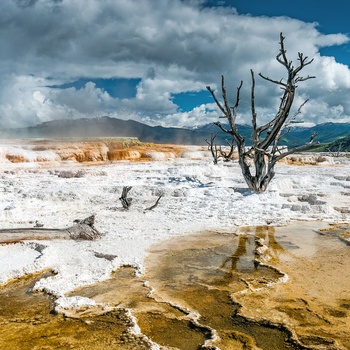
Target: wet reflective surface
column 202, row 272
column 257, row 288
column 273, row 288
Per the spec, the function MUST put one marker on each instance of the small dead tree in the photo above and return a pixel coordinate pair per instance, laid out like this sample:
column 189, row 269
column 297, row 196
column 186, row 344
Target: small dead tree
column 213, row 148
column 218, row 152
column 335, row 152
column 125, row 200
column 258, row 160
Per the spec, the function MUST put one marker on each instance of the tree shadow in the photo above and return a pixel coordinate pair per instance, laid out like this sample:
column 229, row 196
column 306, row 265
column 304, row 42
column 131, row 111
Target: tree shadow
column 245, row 255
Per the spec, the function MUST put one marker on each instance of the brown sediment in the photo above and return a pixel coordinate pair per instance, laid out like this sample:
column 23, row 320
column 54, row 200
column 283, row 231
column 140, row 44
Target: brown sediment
column 90, row 150
column 27, row 322
column 258, row 288
column 202, row 272
column 147, row 152
column 276, row 288
column 311, row 304
column 306, row 159
column 342, row 231
column 165, row 324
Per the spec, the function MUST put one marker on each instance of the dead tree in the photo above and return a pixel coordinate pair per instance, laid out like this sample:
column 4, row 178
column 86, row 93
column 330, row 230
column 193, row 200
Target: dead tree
column 258, row 160
column 335, row 152
column 126, row 201
column 213, row 148
column 218, row 152
column 81, row 230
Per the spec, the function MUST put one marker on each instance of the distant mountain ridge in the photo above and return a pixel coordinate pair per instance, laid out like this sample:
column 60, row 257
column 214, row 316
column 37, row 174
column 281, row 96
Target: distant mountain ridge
column 340, row 145
column 113, row 127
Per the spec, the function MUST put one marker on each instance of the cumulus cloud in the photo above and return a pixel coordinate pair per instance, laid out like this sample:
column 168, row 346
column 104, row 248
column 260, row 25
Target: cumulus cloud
column 173, row 46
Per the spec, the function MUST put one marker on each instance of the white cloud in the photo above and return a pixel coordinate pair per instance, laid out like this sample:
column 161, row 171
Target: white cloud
column 203, row 114
column 174, row 46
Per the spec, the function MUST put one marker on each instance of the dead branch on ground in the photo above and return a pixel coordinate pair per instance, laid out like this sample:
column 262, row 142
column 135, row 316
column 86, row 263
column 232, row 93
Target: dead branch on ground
column 81, row 230
column 154, row 205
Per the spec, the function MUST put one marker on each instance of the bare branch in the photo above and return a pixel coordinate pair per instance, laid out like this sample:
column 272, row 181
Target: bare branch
column 313, row 136
column 303, row 62
column 224, row 154
column 212, row 138
column 227, row 107
column 216, row 100
column 296, row 150
column 278, row 82
column 255, row 135
column 304, row 79
column 297, row 112
column 154, row 205
column 238, row 99
column 222, row 128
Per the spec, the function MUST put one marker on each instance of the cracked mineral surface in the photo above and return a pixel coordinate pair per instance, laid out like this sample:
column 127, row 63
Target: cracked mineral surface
column 256, row 288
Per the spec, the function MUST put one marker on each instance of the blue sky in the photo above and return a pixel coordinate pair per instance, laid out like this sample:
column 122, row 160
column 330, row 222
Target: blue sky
column 116, row 87
column 332, row 17
column 151, row 60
